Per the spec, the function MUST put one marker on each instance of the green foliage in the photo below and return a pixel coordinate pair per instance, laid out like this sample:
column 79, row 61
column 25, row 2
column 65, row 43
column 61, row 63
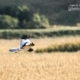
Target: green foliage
column 67, row 47
column 24, row 17
column 66, row 17
column 40, row 21
column 8, row 22
column 57, row 11
column 40, row 33
column 23, row 8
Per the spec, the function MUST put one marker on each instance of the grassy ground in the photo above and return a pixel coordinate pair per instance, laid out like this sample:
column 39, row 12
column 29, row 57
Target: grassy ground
column 25, row 66
column 57, row 66
column 39, row 43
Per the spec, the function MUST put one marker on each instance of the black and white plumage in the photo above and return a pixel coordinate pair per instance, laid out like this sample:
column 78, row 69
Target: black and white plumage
column 25, row 43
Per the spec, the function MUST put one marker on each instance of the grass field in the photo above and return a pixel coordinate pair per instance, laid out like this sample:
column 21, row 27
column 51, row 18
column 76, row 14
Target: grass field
column 25, row 66
column 55, row 31
column 57, row 66
column 40, row 43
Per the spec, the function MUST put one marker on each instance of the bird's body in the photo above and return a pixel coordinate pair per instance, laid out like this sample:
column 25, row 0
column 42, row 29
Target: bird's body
column 25, row 43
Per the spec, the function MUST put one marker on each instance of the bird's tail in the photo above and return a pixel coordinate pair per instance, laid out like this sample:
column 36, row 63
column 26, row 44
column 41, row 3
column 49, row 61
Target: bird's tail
column 14, row 49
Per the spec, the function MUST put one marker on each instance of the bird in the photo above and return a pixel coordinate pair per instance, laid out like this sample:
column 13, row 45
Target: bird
column 25, row 44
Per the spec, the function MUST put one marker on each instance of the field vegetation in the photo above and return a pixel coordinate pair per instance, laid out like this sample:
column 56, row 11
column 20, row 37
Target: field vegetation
column 32, row 66
column 57, row 66
column 40, row 33
column 21, row 17
column 53, row 28
column 55, row 10
column 62, row 44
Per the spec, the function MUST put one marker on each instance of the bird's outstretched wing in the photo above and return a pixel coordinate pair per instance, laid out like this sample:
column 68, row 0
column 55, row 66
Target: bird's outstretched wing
column 14, row 49
column 28, row 47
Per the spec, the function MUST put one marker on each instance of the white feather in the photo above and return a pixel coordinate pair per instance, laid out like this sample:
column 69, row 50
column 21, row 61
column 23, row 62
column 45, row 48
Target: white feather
column 22, row 42
column 14, row 49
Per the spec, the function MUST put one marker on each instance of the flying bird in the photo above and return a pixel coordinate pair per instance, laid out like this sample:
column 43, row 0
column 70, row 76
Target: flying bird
column 25, row 44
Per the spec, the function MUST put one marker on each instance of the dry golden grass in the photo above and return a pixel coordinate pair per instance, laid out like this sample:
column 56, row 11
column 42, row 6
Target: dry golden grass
column 23, row 66
column 44, row 43
column 40, row 43
column 59, row 66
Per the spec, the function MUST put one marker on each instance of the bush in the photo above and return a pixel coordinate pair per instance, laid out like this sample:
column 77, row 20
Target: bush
column 41, row 20
column 8, row 22
column 67, row 47
column 38, row 21
column 23, row 17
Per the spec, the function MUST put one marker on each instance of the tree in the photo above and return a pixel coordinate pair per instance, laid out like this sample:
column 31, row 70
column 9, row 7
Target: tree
column 8, row 22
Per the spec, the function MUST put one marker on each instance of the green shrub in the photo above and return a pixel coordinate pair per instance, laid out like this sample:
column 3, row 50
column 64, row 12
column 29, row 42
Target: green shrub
column 67, row 47
column 8, row 22
column 22, row 17
column 40, row 21
column 40, row 33
column 37, row 22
